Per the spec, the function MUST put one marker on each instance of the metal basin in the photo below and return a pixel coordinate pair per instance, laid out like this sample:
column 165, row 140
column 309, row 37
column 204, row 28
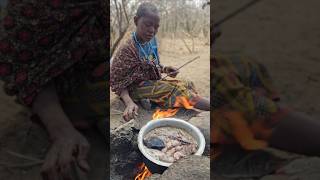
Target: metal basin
column 157, row 166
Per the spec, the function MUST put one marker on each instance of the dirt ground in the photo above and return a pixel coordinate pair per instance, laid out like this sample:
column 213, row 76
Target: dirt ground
column 173, row 52
column 19, row 135
column 284, row 36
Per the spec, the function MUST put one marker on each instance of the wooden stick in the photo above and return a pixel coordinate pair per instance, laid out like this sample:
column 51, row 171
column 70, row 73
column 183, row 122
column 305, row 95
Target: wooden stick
column 236, row 12
column 182, row 66
column 24, row 156
column 25, row 165
column 184, row 42
column 117, row 111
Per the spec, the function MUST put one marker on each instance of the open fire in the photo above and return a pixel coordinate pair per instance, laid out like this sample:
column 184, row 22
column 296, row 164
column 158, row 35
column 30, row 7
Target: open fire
column 143, row 172
column 164, row 113
column 180, row 102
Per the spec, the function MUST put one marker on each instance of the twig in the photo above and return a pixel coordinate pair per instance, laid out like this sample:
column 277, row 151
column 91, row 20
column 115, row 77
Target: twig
column 183, row 65
column 114, row 46
column 117, row 111
column 123, row 125
column 118, row 15
column 20, row 165
column 24, row 156
column 125, row 11
column 180, row 140
column 236, row 12
column 184, row 42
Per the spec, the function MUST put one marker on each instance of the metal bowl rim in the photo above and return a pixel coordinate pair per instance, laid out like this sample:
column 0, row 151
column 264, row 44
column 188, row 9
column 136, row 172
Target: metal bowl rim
column 201, row 144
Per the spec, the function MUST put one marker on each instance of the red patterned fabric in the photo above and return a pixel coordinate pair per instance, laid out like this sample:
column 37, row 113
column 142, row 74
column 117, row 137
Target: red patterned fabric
column 127, row 70
column 45, row 40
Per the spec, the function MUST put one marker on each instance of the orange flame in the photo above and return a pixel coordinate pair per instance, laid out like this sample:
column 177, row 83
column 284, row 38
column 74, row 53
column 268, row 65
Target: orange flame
column 180, row 102
column 144, row 172
column 164, row 113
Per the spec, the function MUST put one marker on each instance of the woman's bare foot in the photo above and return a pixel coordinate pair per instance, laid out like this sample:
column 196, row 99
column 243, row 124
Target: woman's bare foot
column 297, row 133
column 203, row 104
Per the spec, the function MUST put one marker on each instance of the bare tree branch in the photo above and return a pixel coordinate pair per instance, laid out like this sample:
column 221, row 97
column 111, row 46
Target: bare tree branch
column 124, row 10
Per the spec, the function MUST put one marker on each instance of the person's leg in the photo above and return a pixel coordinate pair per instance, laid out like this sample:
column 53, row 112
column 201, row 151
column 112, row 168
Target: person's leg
column 166, row 94
column 297, row 133
column 203, row 104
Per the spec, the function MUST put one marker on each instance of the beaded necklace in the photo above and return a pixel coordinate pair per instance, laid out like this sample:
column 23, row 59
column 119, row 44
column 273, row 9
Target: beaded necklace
column 145, row 54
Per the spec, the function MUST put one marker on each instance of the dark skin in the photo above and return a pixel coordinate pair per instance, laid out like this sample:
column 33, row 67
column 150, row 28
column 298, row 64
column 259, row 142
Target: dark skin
column 69, row 147
column 297, row 133
column 146, row 28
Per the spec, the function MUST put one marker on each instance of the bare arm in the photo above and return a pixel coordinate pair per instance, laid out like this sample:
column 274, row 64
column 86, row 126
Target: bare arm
column 131, row 110
column 126, row 97
column 68, row 144
column 48, row 108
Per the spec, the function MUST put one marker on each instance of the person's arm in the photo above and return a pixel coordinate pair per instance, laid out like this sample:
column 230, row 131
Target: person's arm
column 126, row 97
column 48, row 108
column 68, row 145
column 131, row 110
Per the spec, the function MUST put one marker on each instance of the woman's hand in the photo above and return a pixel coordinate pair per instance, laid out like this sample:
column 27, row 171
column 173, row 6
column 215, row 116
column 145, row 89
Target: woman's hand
column 69, row 149
column 171, row 71
column 131, row 111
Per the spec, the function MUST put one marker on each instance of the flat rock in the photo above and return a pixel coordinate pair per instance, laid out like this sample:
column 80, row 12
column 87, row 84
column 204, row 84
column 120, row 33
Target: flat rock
column 202, row 121
column 122, row 138
column 269, row 164
column 303, row 169
column 124, row 152
column 236, row 163
column 189, row 168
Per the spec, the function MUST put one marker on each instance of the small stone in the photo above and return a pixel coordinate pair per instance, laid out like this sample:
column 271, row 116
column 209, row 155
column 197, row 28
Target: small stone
column 154, row 143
